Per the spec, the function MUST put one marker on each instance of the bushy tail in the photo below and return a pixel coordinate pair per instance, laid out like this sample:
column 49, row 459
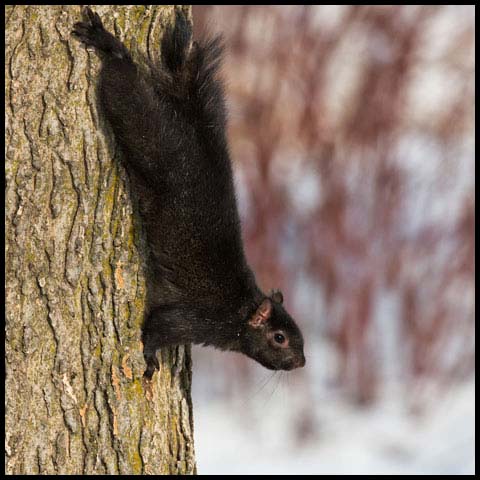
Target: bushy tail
column 190, row 70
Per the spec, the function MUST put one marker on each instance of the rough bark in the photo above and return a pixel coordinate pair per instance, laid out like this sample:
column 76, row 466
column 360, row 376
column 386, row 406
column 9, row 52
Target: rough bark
column 76, row 402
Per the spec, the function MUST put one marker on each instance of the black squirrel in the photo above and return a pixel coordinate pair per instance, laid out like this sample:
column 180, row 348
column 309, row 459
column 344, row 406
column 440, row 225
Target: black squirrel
column 170, row 125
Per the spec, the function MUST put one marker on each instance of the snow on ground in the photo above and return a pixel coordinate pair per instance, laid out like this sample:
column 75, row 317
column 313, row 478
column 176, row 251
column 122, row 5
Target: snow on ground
column 256, row 435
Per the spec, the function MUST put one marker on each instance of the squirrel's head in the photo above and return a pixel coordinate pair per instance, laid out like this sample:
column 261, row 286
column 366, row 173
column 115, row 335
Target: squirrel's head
column 271, row 336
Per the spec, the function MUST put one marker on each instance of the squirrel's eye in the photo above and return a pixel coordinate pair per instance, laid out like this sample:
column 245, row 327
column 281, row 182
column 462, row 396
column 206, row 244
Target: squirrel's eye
column 279, row 338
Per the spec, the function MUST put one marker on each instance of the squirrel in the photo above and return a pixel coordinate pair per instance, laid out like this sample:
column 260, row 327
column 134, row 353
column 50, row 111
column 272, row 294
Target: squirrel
column 170, row 125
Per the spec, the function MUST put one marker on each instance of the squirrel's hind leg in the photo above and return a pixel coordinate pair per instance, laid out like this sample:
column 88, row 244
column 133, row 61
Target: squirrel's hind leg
column 92, row 33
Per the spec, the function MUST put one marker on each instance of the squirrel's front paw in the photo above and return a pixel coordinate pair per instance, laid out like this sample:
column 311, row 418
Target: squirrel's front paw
column 152, row 365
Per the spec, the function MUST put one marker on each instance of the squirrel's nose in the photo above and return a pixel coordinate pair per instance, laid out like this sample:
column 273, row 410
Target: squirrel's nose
column 296, row 362
column 300, row 361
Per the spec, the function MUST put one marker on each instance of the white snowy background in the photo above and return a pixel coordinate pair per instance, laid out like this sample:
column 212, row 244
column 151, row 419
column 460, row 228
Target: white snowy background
column 255, row 432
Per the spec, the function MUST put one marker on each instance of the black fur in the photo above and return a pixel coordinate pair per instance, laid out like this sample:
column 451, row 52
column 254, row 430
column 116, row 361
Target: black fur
column 170, row 125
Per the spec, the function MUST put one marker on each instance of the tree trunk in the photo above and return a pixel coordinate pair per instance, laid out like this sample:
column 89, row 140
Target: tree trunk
column 76, row 402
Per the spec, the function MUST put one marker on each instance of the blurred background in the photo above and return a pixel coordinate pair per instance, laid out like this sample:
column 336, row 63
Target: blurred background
column 352, row 136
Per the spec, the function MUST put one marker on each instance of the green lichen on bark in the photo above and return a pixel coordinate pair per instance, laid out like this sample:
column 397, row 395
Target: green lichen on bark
column 76, row 402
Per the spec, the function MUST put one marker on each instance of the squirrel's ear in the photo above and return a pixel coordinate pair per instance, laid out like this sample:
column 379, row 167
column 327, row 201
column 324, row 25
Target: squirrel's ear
column 262, row 314
column 277, row 296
